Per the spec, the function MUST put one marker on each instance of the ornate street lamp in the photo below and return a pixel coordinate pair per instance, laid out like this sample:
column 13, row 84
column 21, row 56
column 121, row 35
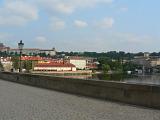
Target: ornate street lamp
column 20, row 46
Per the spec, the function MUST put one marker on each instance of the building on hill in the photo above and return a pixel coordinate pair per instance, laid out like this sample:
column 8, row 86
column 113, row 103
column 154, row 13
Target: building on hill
column 26, row 51
column 51, row 52
column 34, row 51
column 3, row 48
column 149, row 63
column 147, row 60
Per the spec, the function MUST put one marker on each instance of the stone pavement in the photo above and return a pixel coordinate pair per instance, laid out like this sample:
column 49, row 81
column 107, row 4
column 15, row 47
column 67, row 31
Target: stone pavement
column 20, row 102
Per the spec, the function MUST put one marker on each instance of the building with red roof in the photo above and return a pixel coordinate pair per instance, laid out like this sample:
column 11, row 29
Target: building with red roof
column 31, row 58
column 55, row 66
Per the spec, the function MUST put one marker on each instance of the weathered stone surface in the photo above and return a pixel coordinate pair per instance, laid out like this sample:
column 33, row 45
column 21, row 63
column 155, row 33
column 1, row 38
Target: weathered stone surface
column 21, row 102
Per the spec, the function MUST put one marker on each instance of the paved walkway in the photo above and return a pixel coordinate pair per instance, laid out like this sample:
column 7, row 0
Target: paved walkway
column 20, row 102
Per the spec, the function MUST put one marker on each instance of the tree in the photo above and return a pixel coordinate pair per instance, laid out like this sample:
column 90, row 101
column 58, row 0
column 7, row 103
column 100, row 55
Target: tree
column 139, row 54
column 42, row 54
column 15, row 61
column 11, row 53
column 105, row 68
column 1, row 67
column 27, row 65
column 129, row 66
column 114, row 65
column 103, row 61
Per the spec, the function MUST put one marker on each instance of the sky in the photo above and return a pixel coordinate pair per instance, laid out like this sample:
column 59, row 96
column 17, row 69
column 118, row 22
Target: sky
column 82, row 25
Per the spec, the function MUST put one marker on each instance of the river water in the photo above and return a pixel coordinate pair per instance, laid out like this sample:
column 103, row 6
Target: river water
column 142, row 79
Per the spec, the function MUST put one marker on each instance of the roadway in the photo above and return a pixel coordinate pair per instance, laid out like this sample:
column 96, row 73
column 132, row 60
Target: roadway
column 20, row 102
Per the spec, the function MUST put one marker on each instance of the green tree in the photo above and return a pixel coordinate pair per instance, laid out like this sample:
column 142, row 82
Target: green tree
column 115, row 65
column 129, row 66
column 42, row 54
column 27, row 65
column 15, row 61
column 105, row 68
column 1, row 67
column 102, row 61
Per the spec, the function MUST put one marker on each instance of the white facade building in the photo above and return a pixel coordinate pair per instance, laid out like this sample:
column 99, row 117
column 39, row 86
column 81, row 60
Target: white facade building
column 54, row 68
column 155, row 62
column 79, row 63
column 51, row 52
column 7, row 63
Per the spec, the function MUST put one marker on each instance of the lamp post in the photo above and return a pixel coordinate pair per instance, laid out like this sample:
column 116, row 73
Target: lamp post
column 20, row 46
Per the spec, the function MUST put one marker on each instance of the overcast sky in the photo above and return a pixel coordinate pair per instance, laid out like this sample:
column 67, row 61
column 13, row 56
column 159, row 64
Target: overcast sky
column 82, row 25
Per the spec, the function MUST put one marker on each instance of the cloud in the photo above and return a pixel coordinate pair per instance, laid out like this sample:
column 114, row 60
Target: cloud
column 69, row 6
column 7, row 39
column 109, row 41
column 64, row 8
column 57, row 24
column 17, row 13
column 4, row 36
column 80, row 24
column 106, row 23
column 21, row 12
column 124, row 9
column 133, row 38
column 41, row 40
column 130, row 42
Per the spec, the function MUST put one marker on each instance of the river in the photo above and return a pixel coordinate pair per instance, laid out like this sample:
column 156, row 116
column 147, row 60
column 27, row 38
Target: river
column 142, row 79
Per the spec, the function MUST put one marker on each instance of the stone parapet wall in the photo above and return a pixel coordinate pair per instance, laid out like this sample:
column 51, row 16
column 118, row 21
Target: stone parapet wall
column 137, row 94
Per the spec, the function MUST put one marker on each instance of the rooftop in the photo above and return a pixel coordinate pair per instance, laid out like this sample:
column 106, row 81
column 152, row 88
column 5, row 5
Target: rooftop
column 55, row 64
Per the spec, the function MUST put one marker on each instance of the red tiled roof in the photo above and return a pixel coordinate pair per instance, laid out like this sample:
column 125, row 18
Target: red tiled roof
column 31, row 58
column 37, row 58
column 55, row 64
column 77, row 58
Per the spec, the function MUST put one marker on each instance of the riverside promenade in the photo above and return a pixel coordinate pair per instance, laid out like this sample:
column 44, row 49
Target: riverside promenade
column 22, row 102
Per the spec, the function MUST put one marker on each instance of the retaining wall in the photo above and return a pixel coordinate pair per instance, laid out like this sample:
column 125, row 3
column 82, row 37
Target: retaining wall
column 137, row 94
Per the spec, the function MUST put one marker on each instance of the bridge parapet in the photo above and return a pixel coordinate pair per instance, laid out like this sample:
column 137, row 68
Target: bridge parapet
column 137, row 94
